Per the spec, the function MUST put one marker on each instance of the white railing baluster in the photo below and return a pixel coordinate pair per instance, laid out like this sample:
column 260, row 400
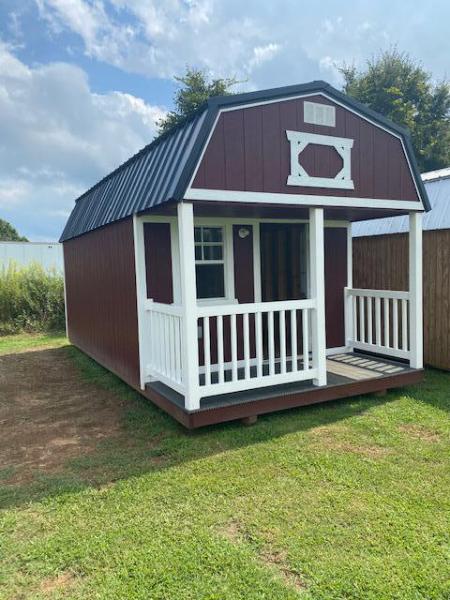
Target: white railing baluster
column 271, row 340
column 386, row 323
column 170, row 343
column 369, row 320
column 378, row 321
column 160, row 344
column 152, row 337
column 405, row 345
column 246, row 347
column 234, row 360
column 395, row 322
column 220, row 348
column 207, row 350
column 362, row 320
column 179, row 367
column 259, row 345
column 355, row 317
column 294, row 353
column 282, row 342
column 305, row 333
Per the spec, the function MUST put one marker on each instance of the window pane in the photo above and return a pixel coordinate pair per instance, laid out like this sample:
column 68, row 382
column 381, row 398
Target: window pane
column 212, row 234
column 212, row 252
column 198, row 234
column 198, row 253
column 210, row 281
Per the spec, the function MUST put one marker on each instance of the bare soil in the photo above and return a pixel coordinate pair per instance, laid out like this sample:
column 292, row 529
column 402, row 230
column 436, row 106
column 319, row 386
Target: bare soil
column 48, row 414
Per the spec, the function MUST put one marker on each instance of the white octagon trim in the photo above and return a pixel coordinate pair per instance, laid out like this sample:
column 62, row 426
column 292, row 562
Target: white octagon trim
column 298, row 141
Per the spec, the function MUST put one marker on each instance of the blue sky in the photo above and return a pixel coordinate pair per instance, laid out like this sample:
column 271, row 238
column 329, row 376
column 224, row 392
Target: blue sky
column 82, row 82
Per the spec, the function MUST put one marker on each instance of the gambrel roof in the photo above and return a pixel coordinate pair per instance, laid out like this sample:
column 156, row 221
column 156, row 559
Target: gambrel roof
column 161, row 171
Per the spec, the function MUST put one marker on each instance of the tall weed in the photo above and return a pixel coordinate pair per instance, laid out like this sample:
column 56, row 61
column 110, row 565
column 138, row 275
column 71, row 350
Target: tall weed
column 31, row 299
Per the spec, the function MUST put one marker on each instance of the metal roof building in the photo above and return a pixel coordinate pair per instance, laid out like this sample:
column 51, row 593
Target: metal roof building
column 437, row 184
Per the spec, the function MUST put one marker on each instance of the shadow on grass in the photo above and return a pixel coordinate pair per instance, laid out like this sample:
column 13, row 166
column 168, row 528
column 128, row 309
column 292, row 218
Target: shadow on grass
column 149, row 440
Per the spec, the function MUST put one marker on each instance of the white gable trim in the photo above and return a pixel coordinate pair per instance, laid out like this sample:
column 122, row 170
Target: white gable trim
column 297, row 97
column 299, row 140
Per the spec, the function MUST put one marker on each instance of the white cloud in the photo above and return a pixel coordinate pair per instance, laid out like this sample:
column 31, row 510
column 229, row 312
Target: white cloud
column 159, row 39
column 270, row 43
column 58, row 138
column 262, row 54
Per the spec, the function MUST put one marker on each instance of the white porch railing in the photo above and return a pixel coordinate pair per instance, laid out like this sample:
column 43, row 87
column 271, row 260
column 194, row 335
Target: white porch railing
column 259, row 364
column 378, row 321
column 165, row 356
column 243, row 346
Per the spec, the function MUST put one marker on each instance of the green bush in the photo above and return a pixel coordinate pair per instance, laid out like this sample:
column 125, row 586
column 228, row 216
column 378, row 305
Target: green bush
column 31, row 299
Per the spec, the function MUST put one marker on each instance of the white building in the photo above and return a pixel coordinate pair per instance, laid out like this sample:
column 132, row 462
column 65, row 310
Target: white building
column 47, row 254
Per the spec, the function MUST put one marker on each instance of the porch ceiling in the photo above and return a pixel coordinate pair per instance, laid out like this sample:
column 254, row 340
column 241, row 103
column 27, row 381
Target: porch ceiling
column 278, row 211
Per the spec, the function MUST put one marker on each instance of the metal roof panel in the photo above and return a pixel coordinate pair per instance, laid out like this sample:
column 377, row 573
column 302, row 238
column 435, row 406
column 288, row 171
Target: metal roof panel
column 437, row 184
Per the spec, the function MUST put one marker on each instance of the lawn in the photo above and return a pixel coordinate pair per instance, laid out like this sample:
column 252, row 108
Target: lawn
column 350, row 499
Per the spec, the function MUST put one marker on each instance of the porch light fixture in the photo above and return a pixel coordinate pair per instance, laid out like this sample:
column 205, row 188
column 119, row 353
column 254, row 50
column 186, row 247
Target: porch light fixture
column 244, row 232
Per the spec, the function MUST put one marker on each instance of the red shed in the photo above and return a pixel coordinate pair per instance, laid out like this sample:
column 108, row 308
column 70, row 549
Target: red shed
column 213, row 270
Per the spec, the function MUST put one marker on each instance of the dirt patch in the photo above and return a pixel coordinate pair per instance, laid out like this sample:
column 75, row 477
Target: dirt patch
column 48, row 414
column 328, row 438
column 276, row 560
column 58, row 583
column 420, row 432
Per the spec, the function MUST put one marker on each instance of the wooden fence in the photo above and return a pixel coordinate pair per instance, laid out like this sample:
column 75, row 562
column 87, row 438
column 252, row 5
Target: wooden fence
column 381, row 262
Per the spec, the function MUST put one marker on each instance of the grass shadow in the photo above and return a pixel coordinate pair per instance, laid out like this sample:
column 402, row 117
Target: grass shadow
column 149, row 440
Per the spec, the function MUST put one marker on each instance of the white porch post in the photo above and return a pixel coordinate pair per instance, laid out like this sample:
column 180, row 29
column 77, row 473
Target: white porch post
column 415, row 290
column 189, row 305
column 317, row 279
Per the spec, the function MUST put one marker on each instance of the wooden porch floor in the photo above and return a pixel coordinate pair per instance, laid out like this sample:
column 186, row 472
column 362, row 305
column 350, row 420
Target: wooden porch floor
column 348, row 374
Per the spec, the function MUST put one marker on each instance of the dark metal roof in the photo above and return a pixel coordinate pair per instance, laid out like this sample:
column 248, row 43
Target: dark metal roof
column 437, row 184
column 161, row 171
column 147, row 179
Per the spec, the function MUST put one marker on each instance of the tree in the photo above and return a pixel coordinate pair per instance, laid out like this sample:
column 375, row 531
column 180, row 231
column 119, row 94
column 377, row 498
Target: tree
column 396, row 86
column 195, row 87
column 9, row 234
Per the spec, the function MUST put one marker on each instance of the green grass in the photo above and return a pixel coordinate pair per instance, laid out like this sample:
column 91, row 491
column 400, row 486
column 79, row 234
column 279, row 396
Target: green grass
column 26, row 341
column 345, row 500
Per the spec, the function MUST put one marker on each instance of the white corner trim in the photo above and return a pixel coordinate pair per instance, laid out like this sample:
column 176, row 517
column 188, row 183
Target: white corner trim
column 299, row 140
column 141, row 296
column 299, row 199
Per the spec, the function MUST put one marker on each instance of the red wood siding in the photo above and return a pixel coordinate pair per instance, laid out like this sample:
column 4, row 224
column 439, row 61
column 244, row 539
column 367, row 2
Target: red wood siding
column 335, row 282
column 101, row 297
column 158, row 262
column 243, row 265
column 249, row 151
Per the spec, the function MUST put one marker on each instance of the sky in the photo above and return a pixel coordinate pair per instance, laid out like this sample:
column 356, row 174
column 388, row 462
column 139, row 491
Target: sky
column 83, row 82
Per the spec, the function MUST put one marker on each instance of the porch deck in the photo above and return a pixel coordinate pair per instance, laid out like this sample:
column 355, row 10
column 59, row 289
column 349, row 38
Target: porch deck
column 348, row 374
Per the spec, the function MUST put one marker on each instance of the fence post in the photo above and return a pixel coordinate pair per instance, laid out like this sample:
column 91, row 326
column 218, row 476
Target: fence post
column 189, row 305
column 317, row 278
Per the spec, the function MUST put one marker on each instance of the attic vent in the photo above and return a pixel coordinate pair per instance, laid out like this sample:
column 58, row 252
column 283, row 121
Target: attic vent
column 319, row 114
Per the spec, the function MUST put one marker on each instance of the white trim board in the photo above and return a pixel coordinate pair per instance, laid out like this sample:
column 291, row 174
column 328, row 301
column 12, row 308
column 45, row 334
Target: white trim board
column 299, row 199
column 297, row 97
